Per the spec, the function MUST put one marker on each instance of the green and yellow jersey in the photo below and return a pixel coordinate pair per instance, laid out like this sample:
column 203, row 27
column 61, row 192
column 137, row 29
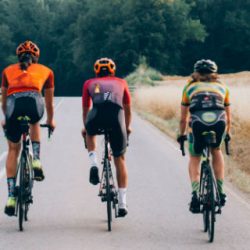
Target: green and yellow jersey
column 205, row 96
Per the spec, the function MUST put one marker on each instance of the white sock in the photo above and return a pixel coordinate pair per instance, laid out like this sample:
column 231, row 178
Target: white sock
column 93, row 158
column 122, row 197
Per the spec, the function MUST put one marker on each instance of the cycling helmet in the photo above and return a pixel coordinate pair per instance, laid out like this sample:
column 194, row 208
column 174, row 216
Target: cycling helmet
column 28, row 47
column 205, row 66
column 105, row 64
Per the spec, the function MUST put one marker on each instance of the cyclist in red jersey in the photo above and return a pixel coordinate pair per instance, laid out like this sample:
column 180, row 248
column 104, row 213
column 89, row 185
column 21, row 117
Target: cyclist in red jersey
column 106, row 103
column 21, row 87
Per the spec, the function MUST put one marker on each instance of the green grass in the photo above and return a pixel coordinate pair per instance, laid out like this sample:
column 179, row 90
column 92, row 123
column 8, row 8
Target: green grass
column 144, row 75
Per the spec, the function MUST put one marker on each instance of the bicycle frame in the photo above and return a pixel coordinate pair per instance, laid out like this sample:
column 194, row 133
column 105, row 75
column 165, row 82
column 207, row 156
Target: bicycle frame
column 107, row 190
column 208, row 192
column 206, row 155
column 25, row 173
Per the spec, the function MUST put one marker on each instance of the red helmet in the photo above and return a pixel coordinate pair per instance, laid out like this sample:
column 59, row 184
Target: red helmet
column 28, row 47
column 105, row 63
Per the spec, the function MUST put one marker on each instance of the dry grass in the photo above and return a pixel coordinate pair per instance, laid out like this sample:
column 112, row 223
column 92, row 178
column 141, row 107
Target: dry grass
column 162, row 101
column 161, row 106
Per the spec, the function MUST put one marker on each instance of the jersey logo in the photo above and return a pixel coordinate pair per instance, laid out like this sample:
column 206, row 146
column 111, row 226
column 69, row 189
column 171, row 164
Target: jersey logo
column 107, row 96
column 97, row 89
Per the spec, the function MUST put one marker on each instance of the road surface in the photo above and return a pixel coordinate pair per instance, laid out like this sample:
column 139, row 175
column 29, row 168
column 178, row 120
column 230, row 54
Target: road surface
column 67, row 214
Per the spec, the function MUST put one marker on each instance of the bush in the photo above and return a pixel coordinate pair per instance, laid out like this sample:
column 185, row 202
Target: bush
column 144, row 75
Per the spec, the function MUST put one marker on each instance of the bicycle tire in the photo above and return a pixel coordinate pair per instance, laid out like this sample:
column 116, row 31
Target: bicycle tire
column 21, row 204
column 28, row 187
column 26, row 209
column 203, row 183
column 211, row 207
column 108, row 194
column 115, row 203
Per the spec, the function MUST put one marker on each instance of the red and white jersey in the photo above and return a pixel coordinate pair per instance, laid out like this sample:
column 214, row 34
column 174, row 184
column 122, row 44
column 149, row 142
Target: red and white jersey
column 105, row 89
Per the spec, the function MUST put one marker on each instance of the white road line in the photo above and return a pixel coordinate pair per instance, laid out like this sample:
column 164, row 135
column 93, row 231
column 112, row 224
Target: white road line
column 56, row 108
column 3, row 171
column 157, row 131
column 237, row 197
column 59, row 104
column 3, row 155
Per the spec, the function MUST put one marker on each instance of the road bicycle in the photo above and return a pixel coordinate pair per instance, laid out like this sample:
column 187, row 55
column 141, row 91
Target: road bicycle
column 107, row 191
column 25, row 175
column 209, row 198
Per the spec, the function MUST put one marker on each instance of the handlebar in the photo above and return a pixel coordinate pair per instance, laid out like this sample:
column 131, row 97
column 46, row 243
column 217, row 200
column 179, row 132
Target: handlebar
column 182, row 148
column 227, row 139
column 181, row 140
column 227, row 146
column 50, row 129
column 85, row 142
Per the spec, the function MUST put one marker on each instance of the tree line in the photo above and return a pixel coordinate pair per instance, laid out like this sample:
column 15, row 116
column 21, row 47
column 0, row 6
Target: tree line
column 170, row 34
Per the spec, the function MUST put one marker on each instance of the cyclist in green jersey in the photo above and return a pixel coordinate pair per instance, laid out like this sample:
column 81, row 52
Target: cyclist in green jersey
column 205, row 106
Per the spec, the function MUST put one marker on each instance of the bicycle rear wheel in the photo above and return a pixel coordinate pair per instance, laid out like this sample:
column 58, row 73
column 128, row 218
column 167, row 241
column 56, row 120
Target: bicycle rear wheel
column 28, row 180
column 108, row 194
column 21, row 191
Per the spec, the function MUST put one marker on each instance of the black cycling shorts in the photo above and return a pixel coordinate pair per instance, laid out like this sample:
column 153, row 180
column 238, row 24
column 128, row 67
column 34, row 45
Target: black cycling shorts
column 205, row 122
column 109, row 116
column 22, row 104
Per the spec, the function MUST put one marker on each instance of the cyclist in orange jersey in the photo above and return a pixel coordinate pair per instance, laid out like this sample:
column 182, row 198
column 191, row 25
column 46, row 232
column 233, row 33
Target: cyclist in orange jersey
column 107, row 104
column 22, row 84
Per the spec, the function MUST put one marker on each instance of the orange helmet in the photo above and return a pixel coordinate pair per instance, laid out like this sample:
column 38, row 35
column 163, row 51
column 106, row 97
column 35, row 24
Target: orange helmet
column 104, row 63
column 28, row 47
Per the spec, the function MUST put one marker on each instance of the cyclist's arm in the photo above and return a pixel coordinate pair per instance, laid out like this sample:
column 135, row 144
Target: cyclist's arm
column 4, row 89
column 49, row 98
column 228, row 110
column 228, row 116
column 86, row 102
column 184, row 119
column 128, row 115
column 84, row 114
column 185, row 102
column 4, row 98
column 127, row 106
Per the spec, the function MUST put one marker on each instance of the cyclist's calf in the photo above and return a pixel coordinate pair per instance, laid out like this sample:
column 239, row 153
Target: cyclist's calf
column 121, row 170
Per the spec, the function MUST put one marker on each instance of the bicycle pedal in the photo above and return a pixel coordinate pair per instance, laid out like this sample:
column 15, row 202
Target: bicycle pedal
column 30, row 200
column 218, row 211
column 103, row 199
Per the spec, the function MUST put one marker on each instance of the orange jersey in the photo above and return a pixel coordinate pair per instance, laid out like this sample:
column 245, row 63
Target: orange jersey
column 34, row 78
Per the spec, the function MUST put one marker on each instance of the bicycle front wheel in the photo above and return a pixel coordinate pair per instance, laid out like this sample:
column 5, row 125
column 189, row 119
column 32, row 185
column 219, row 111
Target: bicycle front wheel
column 108, row 194
column 203, row 197
column 210, row 207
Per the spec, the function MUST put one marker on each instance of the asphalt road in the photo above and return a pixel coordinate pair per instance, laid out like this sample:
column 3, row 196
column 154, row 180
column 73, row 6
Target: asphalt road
column 67, row 214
